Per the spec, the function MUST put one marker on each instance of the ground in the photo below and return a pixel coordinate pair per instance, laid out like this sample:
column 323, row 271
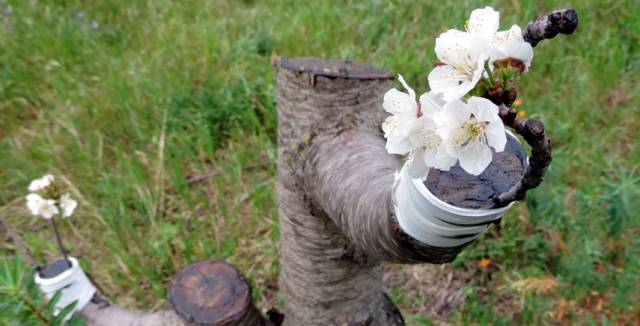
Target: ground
column 160, row 117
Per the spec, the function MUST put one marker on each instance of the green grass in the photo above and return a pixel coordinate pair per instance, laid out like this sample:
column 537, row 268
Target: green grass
column 162, row 121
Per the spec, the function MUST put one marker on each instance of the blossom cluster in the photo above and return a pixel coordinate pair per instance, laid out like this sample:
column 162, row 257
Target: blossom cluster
column 458, row 120
column 46, row 201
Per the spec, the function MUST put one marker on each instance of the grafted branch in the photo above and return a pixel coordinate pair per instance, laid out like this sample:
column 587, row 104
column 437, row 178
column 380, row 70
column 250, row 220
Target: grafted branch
column 532, row 131
column 351, row 178
column 562, row 21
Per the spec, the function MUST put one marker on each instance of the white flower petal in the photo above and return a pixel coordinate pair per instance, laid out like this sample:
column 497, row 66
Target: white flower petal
column 475, row 157
column 496, row 136
column 444, row 77
column 416, row 167
column 510, row 44
column 460, row 49
column 483, row 109
column 438, row 158
column 454, row 113
column 454, row 83
column 48, row 209
column 431, row 104
column 68, row 205
column 522, row 51
column 512, row 34
column 409, row 89
column 41, row 183
column 444, row 160
column 34, row 201
column 41, row 207
column 450, row 83
column 400, row 146
column 396, row 101
column 433, row 97
column 484, row 21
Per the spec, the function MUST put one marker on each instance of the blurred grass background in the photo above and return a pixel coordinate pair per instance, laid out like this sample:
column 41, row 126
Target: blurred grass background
column 160, row 117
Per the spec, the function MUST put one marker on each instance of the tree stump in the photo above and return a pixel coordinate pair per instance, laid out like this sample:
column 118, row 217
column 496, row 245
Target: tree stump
column 214, row 293
column 335, row 180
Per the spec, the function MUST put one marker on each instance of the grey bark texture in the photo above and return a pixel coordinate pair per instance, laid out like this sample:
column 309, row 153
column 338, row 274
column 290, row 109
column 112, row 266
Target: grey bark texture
column 337, row 223
column 100, row 312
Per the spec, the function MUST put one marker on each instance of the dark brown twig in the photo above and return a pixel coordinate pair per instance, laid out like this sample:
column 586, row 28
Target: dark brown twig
column 562, row 21
column 533, row 132
column 60, row 244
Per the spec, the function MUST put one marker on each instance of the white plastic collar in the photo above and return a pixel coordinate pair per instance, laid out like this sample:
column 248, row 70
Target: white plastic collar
column 73, row 283
column 434, row 222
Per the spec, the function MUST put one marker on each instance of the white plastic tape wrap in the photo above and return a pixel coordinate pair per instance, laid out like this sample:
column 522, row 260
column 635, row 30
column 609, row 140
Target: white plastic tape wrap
column 432, row 221
column 74, row 285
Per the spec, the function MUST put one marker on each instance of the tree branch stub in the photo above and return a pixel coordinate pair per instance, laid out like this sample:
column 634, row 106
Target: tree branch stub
column 214, row 293
column 562, row 21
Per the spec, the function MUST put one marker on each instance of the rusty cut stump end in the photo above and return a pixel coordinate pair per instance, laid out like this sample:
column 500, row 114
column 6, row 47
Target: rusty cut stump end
column 213, row 293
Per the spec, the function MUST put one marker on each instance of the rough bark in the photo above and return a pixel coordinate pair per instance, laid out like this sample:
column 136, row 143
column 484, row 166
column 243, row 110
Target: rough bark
column 335, row 194
column 100, row 312
column 562, row 21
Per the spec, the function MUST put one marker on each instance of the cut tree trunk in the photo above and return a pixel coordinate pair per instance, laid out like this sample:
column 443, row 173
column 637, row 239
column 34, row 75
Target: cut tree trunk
column 335, row 185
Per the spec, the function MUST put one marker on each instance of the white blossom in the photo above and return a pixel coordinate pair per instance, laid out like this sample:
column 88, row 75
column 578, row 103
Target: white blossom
column 404, row 113
column 41, row 207
column 41, row 183
column 462, row 56
column 470, row 130
column 511, row 44
column 427, row 140
column 506, row 44
column 68, row 205
column 483, row 21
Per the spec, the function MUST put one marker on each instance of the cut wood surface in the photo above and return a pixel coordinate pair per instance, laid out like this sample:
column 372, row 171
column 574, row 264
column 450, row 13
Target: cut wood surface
column 462, row 189
column 214, row 293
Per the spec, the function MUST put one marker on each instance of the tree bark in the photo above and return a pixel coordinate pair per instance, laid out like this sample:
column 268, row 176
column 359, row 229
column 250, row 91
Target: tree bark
column 562, row 21
column 100, row 312
column 335, row 191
